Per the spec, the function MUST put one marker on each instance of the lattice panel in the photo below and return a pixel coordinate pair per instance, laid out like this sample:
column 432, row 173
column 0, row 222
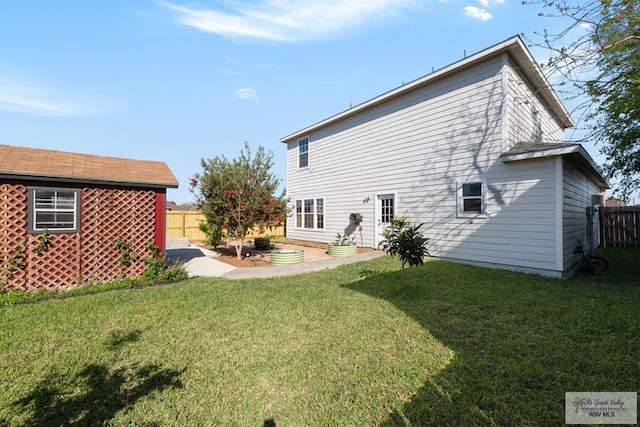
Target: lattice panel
column 107, row 215
column 13, row 231
column 57, row 267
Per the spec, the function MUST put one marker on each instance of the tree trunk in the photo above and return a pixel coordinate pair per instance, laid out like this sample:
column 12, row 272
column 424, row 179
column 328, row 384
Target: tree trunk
column 239, row 249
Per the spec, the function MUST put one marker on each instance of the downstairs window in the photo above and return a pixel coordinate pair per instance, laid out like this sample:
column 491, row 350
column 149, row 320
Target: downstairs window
column 310, row 214
column 471, row 199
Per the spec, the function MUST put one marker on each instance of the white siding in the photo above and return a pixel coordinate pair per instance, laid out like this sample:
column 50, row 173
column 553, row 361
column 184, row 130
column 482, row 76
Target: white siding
column 420, row 147
column 520, row 228
column 443, row 130
column 577, row 192
column 529, row 120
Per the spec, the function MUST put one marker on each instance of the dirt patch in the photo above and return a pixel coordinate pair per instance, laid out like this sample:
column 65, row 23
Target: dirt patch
column 258, row 258
column 253, row 257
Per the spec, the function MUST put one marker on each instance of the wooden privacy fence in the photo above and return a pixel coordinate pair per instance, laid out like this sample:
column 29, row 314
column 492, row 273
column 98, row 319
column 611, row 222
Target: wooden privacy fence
column 620, row 226
column 187, row 224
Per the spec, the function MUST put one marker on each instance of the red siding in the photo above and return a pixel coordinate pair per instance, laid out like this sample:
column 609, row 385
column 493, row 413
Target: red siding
column 135, row 215
column 160, row 219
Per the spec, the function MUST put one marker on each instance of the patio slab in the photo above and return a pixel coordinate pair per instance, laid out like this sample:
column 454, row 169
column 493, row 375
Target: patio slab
column 200, row 262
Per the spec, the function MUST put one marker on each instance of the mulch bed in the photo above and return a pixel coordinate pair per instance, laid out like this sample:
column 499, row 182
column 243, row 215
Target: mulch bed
column 258, row 258
column 261, row 258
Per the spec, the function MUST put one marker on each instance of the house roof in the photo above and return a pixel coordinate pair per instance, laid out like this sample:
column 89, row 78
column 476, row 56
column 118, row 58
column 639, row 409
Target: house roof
column 518, row 54
column 41, row 164
column 608, row 203
column 576, row 152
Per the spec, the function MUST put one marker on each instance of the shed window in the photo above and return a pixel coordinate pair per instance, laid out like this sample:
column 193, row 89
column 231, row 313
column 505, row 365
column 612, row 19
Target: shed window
column 310, row 214
column 471, row 199
column 54, row 209
column 303, row 153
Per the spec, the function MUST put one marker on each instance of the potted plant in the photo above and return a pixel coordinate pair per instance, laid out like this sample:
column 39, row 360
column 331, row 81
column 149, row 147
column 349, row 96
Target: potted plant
column 343, row 246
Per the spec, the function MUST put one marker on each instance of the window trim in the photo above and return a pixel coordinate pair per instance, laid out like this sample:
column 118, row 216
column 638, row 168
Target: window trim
column 460, row 198
column 317, row 216
column 306, row 153
column 32, row 210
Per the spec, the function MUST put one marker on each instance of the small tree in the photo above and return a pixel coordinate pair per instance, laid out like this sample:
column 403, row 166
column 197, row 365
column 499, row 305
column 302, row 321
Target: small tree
column 405, row 240
column 238, row 195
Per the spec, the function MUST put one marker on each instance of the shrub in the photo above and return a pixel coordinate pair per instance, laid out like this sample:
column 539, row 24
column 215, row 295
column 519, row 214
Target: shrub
column 159, row 271
column 404, row 240
column 213, row 234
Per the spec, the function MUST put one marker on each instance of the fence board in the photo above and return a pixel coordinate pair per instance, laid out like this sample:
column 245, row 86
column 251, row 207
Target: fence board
column 187, row 224
column 620, row 226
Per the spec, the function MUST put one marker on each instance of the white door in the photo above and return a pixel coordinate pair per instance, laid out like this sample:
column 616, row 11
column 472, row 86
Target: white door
column 385, row 211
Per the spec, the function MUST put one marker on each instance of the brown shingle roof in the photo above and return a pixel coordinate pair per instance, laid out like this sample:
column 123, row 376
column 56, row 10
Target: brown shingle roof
column 36, row 163
column 172, row 206
column 608, row 203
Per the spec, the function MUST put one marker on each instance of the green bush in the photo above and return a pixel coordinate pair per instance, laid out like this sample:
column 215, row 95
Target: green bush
column 404, row 240
column 159, row 271
column 213, row 234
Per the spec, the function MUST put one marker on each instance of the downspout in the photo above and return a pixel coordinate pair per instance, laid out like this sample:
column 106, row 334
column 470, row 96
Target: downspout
column 559, row 220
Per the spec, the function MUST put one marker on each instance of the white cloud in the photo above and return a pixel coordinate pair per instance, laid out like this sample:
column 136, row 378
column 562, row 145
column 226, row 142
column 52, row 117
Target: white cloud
column 477, row 13
column 246, row 93
column 287, row 20
column 21, row 104
column 485, row 3
column 588, row 26
column 20, row 95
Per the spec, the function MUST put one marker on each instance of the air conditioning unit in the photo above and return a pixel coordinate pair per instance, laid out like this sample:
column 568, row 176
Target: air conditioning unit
column 597, row 200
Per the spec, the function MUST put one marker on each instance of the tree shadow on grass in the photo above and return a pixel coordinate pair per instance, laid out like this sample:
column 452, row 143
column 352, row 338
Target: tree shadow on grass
column 118, row 339
column 519, row 341
column 94, row 394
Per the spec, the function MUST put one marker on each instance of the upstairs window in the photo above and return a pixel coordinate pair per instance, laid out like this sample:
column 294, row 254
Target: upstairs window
column 471, row 199
column 303, row 153
column 54, row 209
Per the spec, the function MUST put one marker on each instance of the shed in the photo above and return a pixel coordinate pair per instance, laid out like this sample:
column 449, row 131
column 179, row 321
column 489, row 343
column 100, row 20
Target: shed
column 62, row 213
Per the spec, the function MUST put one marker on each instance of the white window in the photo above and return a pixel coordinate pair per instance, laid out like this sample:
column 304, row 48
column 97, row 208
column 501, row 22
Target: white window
column 310, row 214
column 471, row 199
column 54, row 209
column 303, row 153
column 386, row 208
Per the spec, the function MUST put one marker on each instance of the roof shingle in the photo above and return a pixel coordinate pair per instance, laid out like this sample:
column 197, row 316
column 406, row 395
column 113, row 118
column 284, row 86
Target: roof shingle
column 37, row 163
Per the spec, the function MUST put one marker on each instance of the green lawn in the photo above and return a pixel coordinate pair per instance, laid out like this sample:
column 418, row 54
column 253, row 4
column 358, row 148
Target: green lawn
column 457, row 345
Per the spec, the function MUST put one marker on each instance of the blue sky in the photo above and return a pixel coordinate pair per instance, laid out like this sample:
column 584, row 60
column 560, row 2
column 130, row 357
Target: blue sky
column 180, row 80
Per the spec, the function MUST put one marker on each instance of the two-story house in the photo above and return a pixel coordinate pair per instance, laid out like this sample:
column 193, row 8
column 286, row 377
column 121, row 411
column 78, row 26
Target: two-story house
column 475, row 151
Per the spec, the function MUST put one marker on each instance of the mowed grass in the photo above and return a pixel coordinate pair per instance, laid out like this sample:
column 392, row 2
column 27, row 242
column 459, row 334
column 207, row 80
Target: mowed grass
column 457, row 345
